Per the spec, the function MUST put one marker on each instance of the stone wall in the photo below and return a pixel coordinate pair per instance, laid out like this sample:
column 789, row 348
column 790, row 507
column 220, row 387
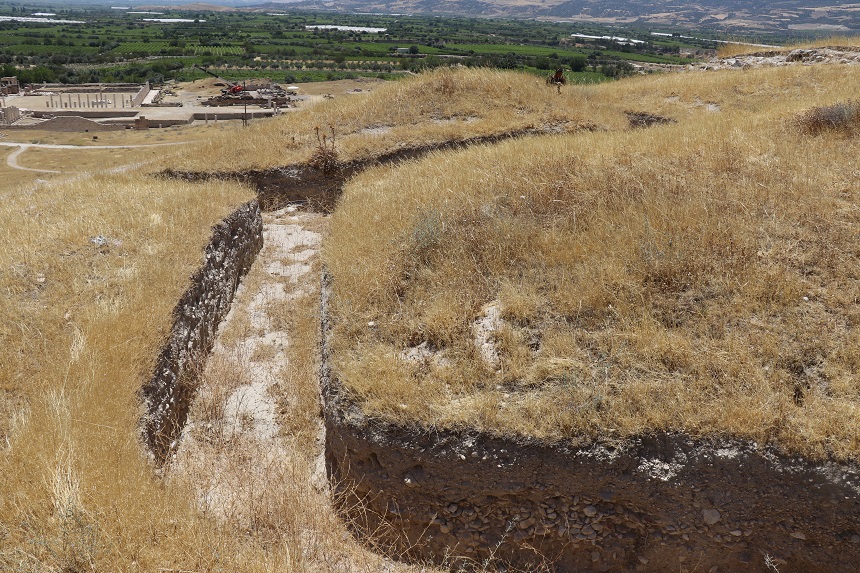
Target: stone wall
column 661, row 502
column 101, row 114
column 72, row 124
column 141, row 95
column 10, row 114
column 167, row 395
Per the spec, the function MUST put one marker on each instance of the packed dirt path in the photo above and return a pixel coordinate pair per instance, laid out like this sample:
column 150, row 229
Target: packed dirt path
column 252, row 449
column 12, row 159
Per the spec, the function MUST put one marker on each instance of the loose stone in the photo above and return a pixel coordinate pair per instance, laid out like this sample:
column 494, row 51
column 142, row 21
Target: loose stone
column 711, row 516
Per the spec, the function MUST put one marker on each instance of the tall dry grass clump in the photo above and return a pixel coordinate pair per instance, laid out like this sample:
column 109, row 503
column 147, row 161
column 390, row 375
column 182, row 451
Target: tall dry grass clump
column 696, row 277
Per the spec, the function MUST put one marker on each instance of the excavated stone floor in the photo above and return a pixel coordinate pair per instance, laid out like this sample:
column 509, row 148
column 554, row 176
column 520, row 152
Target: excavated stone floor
column 234, row 452
column 231, row 442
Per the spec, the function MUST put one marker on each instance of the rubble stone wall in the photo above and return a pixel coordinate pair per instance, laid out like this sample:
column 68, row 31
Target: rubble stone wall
column 231, row 251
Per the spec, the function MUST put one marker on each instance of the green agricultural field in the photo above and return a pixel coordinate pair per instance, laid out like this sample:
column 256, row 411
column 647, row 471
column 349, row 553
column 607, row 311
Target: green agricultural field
column 119, row 46
column 217, row 50
column 141, row 47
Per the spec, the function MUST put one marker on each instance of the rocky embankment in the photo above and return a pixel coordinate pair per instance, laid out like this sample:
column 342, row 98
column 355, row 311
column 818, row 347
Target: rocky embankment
column 767, row 59
column 831, row 55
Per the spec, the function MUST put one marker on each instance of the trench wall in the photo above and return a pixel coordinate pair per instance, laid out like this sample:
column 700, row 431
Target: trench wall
column 167, row 395
column 663, row 502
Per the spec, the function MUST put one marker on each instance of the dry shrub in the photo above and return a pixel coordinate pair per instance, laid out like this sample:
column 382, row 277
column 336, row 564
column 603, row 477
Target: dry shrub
column 325, row 155
column 840, row 117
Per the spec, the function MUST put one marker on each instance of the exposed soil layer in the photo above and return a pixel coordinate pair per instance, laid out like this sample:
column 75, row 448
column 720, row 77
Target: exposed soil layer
column 662, row 502
column 319, row 191
column 643, row 119
column 167, row 395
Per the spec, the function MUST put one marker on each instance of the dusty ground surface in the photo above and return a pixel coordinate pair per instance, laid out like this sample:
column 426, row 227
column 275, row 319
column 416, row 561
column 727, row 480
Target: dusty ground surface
column 241, row 452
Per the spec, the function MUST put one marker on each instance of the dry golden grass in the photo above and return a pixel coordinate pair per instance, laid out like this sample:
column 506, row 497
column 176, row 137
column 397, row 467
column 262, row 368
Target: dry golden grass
column 81, row 326
column 647, row 279
column 84, row 160
column 17, row 178
column 444, row 105
column 116, row 137
column 698, row 277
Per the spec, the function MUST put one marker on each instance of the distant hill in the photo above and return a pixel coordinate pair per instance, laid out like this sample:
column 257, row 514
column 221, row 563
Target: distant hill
column 723, row 15
column 200, row 6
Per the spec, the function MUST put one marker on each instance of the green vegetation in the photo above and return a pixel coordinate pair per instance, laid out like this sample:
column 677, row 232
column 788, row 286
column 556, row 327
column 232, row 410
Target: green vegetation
column 116, row 46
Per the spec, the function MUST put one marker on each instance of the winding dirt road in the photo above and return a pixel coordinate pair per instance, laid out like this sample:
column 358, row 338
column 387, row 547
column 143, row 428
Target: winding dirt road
column 12, row 159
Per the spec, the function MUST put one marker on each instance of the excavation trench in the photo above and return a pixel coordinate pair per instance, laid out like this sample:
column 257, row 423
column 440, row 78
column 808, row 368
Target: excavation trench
column 657, row 502
column 230, row 253
column 168, row 394
column 301, row 184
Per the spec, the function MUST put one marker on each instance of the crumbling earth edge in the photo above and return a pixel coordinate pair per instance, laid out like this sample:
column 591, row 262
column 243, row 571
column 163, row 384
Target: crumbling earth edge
column 658, row 502
column 167, row 395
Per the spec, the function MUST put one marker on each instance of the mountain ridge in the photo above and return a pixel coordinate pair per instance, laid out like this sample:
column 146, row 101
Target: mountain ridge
column 721, row 15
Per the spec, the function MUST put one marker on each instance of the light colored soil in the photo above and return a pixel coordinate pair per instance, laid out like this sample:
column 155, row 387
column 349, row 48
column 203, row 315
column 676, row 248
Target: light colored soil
column 339, row 87
column 239, row 451
column 234, row 417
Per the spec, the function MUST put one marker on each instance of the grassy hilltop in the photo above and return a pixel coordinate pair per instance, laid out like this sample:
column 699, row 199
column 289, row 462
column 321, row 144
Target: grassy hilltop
column 697, row 275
